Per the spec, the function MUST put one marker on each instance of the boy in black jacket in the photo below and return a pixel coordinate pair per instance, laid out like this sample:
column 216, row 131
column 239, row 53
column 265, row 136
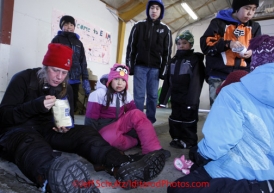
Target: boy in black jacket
column 226, row 36
column 184, row 78
column 148, row 52
column 79, row 63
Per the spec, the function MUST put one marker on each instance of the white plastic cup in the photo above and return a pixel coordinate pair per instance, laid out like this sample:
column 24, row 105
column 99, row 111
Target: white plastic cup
column 243, row 52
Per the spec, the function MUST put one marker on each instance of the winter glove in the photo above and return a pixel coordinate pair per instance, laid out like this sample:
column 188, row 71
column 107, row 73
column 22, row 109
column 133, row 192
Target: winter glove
column 197, row 158
column 86, row 87
column 183, row 164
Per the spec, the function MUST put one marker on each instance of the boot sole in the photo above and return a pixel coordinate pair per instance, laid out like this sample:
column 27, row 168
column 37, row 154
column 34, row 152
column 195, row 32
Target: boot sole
column 132, row 175
column 70, row 176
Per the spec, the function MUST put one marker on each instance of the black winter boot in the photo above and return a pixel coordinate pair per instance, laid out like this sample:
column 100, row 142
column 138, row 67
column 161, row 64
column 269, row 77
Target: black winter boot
column 69, row 176
column 138, row 169
column 132, row 174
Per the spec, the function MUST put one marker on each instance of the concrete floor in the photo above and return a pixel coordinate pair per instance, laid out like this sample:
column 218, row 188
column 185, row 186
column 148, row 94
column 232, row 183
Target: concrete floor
column 8, row 171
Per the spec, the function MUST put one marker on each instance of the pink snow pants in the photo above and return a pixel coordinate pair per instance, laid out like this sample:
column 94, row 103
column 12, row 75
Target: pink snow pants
column 115, row 133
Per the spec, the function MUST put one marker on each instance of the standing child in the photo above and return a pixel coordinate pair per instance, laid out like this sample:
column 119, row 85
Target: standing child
column 112, row 111
column 230, row 31
column 79, row 63
column 185, row 77
column 148, row 52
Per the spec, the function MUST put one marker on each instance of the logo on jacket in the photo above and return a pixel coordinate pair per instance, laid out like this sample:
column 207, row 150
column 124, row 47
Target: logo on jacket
column 239, row 33
column 68, row 63
column 186, row 62
column 160, row 30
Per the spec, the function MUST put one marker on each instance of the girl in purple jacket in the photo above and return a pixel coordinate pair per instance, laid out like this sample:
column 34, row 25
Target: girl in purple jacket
column 112, row 111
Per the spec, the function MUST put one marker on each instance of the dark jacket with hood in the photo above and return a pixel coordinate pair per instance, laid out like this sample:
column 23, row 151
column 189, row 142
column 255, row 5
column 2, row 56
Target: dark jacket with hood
column 220, row 60
column 185, row 78
column 149, row 43
column 79, row 63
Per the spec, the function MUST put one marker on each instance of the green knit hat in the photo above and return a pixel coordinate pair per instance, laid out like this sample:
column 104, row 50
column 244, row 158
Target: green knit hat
column 187, row 36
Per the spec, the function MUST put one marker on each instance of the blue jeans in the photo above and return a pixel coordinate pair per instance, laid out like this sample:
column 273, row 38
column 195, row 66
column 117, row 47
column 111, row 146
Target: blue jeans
column 146, row 81
column 214, row 83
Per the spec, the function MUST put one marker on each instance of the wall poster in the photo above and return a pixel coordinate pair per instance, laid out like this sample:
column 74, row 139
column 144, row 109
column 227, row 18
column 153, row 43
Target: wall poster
column 97, row 41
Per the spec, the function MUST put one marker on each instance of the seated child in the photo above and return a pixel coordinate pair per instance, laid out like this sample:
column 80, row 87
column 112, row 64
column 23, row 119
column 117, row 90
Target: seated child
column 112, row 111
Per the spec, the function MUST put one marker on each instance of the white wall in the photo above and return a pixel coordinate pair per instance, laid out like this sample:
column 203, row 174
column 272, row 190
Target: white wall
column 31, row 33
column 267, row 27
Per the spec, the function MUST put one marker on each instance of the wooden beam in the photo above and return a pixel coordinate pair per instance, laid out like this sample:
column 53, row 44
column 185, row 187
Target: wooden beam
column 263, row 17
column 124, row 6
column 128, row 15
column 108, row 5
column 120, row 44
column 6, row 21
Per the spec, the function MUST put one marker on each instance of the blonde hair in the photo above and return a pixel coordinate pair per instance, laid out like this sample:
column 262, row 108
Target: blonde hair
column 42, row 75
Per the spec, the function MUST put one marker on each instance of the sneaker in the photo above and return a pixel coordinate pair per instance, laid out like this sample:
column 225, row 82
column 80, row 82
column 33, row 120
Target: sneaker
column 161, row 106
column 141, row 168
column 180, row 144
column 70, row 176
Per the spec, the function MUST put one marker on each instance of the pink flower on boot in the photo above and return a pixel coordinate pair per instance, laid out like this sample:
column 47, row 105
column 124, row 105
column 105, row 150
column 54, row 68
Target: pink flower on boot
column 183, row 164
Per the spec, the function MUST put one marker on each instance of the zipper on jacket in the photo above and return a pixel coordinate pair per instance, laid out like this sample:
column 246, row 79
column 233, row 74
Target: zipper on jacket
column 150, row 35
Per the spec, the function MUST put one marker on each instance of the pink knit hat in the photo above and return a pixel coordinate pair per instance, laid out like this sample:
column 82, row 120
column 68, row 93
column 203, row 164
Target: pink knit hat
column 118, row 71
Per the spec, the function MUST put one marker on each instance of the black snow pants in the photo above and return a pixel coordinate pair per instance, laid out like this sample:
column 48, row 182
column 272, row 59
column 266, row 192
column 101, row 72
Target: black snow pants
column 183, row 123
column 31, row 148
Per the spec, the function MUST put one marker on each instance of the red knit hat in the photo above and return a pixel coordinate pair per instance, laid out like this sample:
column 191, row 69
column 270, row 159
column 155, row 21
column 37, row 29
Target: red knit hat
column 59, row 56
column 118, row 71
column 234, row 76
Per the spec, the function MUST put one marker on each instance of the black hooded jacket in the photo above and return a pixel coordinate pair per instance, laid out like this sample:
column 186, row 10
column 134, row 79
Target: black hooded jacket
column 149, row 45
